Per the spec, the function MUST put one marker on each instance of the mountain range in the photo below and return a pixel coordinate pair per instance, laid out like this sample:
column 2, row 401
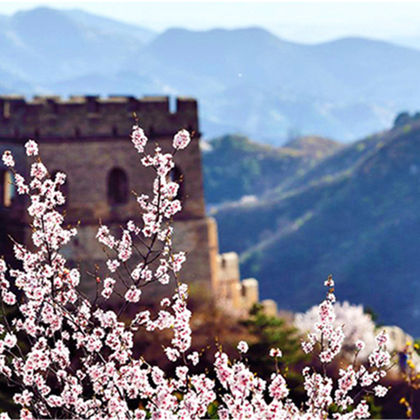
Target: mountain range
column 247, row 80
column 354, row 213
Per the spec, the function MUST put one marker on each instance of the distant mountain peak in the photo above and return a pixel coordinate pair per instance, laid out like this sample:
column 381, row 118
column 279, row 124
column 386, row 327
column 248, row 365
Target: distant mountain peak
column 39, row 14
column 256, row 33
column 316, row 142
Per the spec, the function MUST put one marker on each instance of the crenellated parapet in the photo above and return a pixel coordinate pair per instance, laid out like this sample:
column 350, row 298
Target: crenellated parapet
column 46, row 117
column 88, row 139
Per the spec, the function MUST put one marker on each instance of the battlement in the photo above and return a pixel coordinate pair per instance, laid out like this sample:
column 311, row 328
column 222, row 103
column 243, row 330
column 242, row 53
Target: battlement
column 92, row 116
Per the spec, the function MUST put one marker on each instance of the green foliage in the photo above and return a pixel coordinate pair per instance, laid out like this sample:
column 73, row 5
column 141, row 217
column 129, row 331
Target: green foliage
column 407, row 128
column 416, row 346
column 212, row 411
column 273, row 332
column 402, row 119
column 375, row 410
column 368, row 310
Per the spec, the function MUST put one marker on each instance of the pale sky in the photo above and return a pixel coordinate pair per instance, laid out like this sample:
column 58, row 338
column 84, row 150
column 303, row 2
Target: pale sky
column 304, row 21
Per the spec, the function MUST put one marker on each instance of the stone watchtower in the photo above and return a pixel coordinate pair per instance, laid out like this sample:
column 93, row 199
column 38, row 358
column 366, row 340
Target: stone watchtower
column 88, row 138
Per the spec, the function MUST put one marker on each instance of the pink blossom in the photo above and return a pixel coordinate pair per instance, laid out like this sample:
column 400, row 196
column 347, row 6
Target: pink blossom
column 8, row 159
column 360, row 345
column 278, row 388
column 31, row 148
column 380, row 391
column 10, row 340
column 133, row 294
column 382, row 338
column 362, row 410
column 194, row 357
column 276, row 352
column 21, row 186
column 105, row 237
column 138, row 138
column 38, row 170
column 8, row 298
column 243, row 347
column 172, row 354
column 112, row 265
column 125, row 246
column 181, row 139
column 177, row 261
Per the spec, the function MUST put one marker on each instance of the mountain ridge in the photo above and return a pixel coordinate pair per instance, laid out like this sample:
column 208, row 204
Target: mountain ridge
column 247, row 80
column 361, row 224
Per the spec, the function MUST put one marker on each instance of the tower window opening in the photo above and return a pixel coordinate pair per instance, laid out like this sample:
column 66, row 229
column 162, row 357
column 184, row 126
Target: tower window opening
column 6, row 110
column 7, row 188
column 117, row 186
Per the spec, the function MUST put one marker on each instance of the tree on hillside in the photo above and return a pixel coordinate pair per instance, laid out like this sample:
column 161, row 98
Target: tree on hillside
column 402, row 119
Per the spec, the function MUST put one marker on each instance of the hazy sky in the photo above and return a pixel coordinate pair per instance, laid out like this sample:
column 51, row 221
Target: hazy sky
column 307, row 21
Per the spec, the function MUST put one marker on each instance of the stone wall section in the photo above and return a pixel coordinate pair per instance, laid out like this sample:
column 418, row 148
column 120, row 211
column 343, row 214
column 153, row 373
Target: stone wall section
column 88, row 138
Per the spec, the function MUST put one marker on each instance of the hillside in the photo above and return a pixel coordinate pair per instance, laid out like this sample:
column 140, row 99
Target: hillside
column 247, row 80
column 356, row 215
column 235, row 167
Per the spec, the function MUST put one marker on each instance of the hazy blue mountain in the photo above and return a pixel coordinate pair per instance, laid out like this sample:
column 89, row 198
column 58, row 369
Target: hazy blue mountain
column 106, row 25
column 268, row 87
column 247, row 81
column 44, row 45
column 355, row 214
column 407, row 41
column 223, row 55
column 374, row 70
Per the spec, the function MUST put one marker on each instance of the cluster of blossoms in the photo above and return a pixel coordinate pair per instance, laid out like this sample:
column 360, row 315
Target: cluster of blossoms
column 357, row 325
column 244, row 395
column 329, row 339
column 67, row 355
